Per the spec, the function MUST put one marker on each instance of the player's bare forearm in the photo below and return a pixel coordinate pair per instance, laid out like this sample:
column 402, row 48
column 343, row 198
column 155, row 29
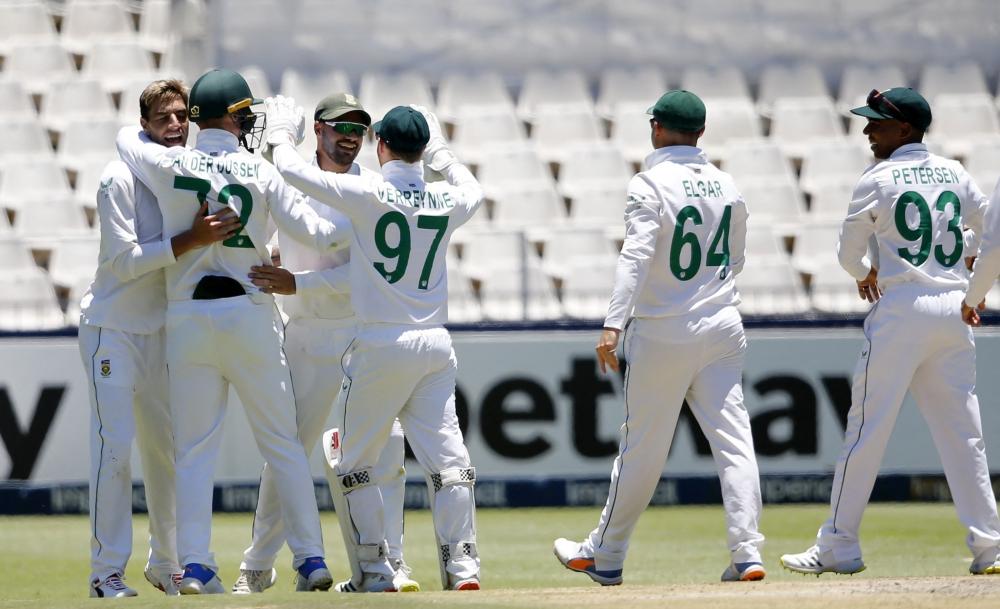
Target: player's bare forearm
column 607, row 347
column 206, row 230
column 273, row 279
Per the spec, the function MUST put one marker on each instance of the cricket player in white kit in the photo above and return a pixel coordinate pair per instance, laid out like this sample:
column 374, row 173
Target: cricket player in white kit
column 915, row 204
column 221, row 329
column 685, row 237
column 987, row 264
column 402, row 362
column 321, row 326
column 122, row 346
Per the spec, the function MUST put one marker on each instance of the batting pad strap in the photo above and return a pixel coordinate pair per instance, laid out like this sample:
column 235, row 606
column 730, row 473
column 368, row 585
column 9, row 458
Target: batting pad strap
column 458, row 550
column 455, row 475
column 372, row 552
column 355, row 480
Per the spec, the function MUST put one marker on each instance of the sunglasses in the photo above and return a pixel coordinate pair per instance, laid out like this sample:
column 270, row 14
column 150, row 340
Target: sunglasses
column 877, row 102
column 345, row 128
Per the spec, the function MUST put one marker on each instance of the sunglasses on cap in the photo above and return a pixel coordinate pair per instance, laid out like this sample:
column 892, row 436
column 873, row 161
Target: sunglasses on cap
column 878, row 102
column 345, row 128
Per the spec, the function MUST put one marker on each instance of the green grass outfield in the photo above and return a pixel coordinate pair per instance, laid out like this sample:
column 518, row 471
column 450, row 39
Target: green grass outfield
column 915, row 552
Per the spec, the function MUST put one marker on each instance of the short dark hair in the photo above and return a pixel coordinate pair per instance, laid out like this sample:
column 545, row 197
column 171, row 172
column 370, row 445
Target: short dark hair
column 408, row 157
column 159, row 91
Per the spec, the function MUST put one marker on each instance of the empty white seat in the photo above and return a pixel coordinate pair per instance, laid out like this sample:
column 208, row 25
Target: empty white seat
column 777, row 202
column 960, row 120
column 795, row 80
column 958, row 78
column 630, row 131
column 534, row 206
column 128, row 102
column 833, row 161
column 586, row 289
column 751, row 159
column 715, row 82
column 983, row 163
column 512, row 166
column 90, row 21
column 22, row 22
column 463, row 306
column 479, row 129
column 577, row 245
column 308, row 88
column 76, row 292
column 771, row 286
column 88, row 180
column 17, row 259
column 858, row 80
column 118, row 63
column 559, row 129
column 26, row 182
column 44, row 223
column 834, row 291
column 352, row 29
column 35, row 65
column 24, row 138
column 544, row 87
column 154, row 25
column 380, row 92
column 636, row 86
column 487, row 252
column 88, row 138
column 257, row 80
column 798, row 123
column 993, row 298
column 829, row 204
column 186, row 58
column 728, row 119
column 68, row 101
column 15, row 103
column 526, row 293
column 590, row 167
column 74, row 260
column 481, row 88
column 763, row 243
column 816, row 247
column 601, row 206
column 28, row 302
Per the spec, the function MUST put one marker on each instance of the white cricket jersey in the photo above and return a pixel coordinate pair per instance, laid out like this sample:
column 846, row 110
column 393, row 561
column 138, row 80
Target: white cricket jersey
column 128, row 292
column 321, row 289
column 685, row 238
column 915, row 204
column 216, row 170
column 401, row 229
column 988, row 263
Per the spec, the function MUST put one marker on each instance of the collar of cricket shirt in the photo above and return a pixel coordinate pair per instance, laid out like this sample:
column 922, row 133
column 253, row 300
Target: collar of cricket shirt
column 908, row 149
column 675, row 154
column 403, row 175
column 211, row 140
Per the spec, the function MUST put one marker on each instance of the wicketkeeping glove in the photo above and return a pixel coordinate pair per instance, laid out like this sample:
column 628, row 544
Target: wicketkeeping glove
column 286, row 122
column 437, row 155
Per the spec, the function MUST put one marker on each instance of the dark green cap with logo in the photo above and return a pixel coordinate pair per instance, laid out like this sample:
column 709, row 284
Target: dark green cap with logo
column 334, row 106
column 901, row 103
column 403, row 129
column 218, row 93
column 679, row 110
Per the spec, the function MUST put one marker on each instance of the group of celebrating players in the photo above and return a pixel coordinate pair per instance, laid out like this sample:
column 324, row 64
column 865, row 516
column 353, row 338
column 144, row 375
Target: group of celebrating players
column 183, row 305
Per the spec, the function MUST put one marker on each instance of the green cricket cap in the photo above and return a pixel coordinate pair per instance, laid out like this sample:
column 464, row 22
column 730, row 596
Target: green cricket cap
column 901, row 103
column 679, row 110
column 334, row 106
column 218, row 93
column 403, row 129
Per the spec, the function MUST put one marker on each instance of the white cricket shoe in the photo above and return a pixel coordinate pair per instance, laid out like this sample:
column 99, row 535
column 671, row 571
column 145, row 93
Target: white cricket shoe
column 111, row 586
column 812, row 562
column 168, row 583
column 252, row 581
column 402, row 580
column 371, row 582
column 313, row 576
column 987, row 563
column 744, row 572
column 572, row 556
column 199, row 579
column 469, row 583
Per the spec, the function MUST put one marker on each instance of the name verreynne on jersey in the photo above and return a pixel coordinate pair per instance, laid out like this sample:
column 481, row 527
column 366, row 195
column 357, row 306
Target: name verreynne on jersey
column 416, row 198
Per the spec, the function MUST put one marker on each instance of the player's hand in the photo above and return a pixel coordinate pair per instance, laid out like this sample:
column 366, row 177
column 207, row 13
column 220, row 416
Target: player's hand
column 868, row 287
column 970, row 262
column 607, row 347
column 207, row 229
column 970, row 315
column 286, row 121
column 272, row 279
column 436, row 155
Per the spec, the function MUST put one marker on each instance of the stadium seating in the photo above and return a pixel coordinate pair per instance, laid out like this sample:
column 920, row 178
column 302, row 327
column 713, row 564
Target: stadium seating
column 711, row 82
column 599, row 205
column 307, row 88
column 780, row 81
column 74, row 100
column 960, row 120
column 770, row 286
column 983, row 163
column 23, row 138
column 798, row 124
column 529, row 207
column 154, row 25
column 833, row 161
column 478, row 129
column 635, row 86
column 380, row 92
column 958, row 78
column 24, row 22
column 592, row 167
column 548, row 87
column 586, row 289
column 28, row 181
column 858, row 80
column 87, row 22
column 528, row 294
column 459, row 91
column 35, row 64
column 15, row 103
column 118, row 64
column 74, row 260
column 730, row 119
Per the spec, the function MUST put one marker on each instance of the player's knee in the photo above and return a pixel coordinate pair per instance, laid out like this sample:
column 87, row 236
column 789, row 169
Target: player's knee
column 454, row 476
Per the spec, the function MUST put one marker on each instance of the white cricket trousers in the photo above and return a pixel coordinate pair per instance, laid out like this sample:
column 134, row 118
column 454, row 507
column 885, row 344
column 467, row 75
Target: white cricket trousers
column 408, row 372
column 916, row 340
column 210, row 344
column 314, row 348
column 697, row 357
column 127, row 383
